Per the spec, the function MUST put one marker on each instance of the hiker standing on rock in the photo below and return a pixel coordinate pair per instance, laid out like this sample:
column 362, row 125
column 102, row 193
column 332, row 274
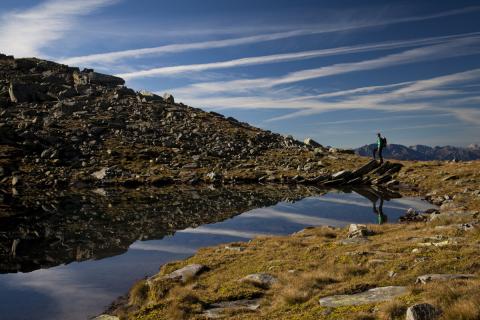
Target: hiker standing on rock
column 381, row 143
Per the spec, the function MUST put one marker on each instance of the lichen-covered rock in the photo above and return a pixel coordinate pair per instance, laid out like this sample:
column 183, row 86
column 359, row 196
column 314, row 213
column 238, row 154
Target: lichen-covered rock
column 422, row 311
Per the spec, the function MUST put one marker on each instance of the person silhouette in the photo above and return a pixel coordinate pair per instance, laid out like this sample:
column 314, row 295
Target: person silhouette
column 381, row 217
column 381, row 143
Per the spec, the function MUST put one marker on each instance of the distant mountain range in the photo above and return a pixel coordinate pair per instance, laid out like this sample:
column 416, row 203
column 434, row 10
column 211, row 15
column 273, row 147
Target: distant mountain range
column 421, row 152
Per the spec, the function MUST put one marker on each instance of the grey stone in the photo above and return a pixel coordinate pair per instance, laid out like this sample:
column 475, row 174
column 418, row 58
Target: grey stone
column 169, row 98
column 442, row 277
column 186, row 273
column 105, row 79
column 370, row 296
column 218, row 310
column 312, row 143
column 422, row 311
column 373, row 164
column 344, row 174
column 263, row 280
column 358, row 230
column 100, row 174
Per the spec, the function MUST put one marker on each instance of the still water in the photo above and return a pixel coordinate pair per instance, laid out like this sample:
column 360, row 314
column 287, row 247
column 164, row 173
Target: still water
column 72, row 268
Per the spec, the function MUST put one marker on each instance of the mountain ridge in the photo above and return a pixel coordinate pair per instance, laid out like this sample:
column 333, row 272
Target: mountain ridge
column 423, row 152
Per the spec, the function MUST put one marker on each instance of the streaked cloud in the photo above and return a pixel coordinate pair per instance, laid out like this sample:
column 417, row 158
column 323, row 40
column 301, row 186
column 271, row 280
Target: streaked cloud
column 25, row 33
column 453, row 48
column 276, row 58
column 113, row 56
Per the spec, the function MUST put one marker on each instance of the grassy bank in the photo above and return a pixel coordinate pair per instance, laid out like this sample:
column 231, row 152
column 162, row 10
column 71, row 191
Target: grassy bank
column 323, row 261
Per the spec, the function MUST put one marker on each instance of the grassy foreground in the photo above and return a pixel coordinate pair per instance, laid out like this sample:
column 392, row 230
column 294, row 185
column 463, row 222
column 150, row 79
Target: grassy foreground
column 316, row 263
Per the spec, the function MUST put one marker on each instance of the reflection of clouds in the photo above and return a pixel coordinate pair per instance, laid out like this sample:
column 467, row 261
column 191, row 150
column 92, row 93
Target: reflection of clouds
column 273, row 213
column 223, row 232
column 361, row 203
column 414, row 203
column 70, row 296
column 158, row 246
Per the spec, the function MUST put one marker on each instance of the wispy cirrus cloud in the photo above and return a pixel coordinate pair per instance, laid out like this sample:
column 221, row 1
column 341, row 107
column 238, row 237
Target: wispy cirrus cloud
column 110, row 57
column 25, row 33
column 433, row 94
column 453, row 48
column 276, row 58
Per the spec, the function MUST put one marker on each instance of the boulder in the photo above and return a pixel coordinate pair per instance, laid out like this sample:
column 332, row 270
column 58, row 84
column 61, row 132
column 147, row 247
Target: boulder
column 31, row 92
column 358, row 231
column 373, row 164
column 370, row 296
column 169, row 98
column 344, row 174
column 105, row 79
column 186, row 273
column 262, row 280
column 422, row 311
column 312, row 143
column 220, row 309
column 100, row 174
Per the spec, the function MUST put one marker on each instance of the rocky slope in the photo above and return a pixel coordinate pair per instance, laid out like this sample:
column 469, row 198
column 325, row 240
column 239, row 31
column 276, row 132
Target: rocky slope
column 63, row 126
column 424, row 153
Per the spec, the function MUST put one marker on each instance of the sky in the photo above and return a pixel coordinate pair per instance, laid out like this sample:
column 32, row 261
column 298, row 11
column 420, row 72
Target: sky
column 336, row 71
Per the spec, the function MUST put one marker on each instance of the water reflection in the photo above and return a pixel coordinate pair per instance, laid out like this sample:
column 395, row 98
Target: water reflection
column 89, row 247
column 45, row 230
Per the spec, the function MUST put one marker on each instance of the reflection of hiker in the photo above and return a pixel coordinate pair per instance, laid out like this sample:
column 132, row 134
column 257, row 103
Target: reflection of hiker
column 381, row 218
column 381, row 143
column 374, row 195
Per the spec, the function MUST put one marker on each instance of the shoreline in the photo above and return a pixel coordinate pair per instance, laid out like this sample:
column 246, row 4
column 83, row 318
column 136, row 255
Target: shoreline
column 186, row 299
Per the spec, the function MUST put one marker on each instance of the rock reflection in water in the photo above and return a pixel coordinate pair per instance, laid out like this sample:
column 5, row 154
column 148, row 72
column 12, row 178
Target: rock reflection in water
column 45, row 230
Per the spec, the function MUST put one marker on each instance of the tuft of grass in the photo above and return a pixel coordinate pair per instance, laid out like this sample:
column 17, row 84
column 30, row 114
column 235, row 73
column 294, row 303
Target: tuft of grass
column 183, row 303
column 393, row 310
column 464, row 309
column 354, row 271
column 138, row 294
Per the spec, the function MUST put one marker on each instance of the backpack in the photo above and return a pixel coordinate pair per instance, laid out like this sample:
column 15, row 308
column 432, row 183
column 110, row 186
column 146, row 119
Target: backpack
column 383, row 141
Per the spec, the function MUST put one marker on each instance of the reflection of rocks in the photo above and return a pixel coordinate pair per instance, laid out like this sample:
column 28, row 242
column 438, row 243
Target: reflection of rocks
column 45, row 230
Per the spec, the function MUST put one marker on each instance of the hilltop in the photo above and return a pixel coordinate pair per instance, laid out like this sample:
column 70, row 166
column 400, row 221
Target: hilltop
column 65, row 127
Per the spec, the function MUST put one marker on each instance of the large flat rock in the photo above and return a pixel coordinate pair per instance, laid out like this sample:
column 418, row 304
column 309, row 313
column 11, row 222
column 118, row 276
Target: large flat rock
column 370, row 296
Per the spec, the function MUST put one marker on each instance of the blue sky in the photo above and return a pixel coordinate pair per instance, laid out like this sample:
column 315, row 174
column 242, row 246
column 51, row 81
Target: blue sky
column 336, row 71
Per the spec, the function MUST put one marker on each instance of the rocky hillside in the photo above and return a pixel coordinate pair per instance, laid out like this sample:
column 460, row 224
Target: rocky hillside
column 61, row 126
column 424, row 153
